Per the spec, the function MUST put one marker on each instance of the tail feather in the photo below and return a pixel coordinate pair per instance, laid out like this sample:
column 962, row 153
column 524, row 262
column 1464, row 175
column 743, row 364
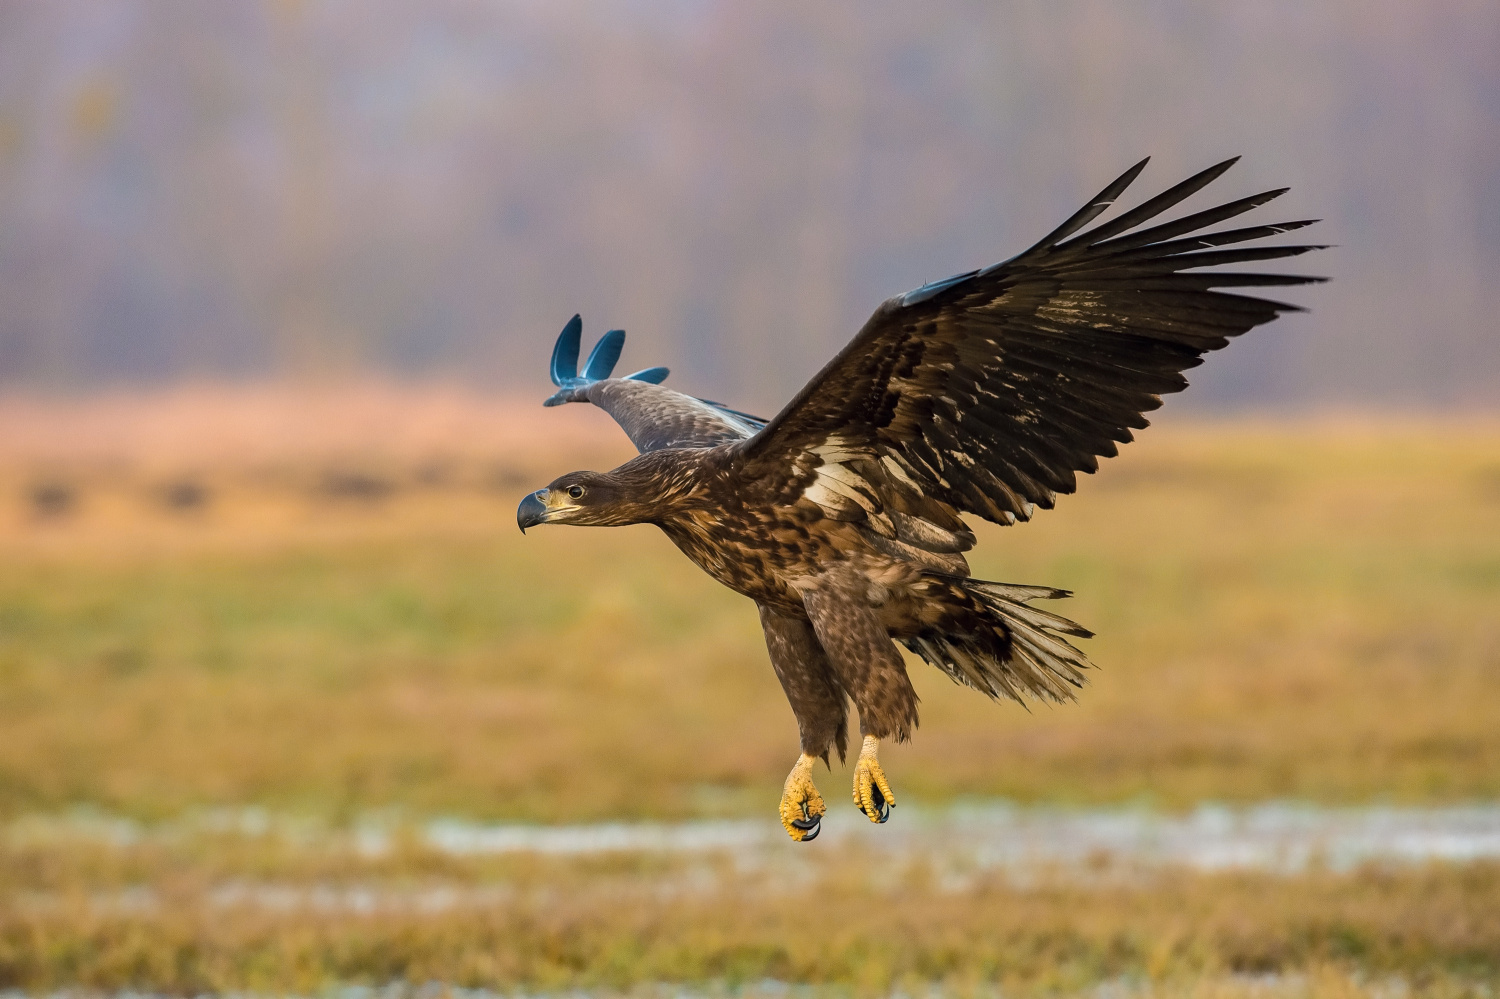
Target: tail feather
column 1013, row 596
column 1005, row 648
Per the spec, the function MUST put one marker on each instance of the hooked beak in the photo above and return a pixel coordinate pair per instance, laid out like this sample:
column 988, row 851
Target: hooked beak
column 533, row 510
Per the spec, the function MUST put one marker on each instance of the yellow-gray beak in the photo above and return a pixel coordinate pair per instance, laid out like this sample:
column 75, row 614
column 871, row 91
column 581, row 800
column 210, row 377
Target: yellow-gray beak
column 533, row 510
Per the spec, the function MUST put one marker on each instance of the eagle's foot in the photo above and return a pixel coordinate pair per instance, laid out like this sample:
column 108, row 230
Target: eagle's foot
column 802, row 806
column 872, row 792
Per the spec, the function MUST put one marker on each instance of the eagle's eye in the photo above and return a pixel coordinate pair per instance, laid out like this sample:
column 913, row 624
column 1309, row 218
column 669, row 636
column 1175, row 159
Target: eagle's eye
column 576, row 492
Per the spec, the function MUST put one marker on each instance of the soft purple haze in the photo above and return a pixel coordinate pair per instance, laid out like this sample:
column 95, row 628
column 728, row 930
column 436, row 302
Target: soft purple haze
column 252, row 189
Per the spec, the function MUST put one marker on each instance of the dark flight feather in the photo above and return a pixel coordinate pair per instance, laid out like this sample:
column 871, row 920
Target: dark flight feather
column 985, row 393
column 995, row 387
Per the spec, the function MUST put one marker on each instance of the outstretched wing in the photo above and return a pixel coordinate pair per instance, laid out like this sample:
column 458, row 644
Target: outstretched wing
column 652, row 417
column 990, row 390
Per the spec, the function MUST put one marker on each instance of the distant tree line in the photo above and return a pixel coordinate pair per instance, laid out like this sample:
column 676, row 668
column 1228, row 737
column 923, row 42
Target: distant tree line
column 249, row 190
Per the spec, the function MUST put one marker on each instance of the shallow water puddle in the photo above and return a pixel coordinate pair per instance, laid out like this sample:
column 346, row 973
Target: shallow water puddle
column 1277, row 837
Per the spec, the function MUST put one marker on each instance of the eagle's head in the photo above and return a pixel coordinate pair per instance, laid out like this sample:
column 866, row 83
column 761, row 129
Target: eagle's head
column 647, row 489
column 587, row 499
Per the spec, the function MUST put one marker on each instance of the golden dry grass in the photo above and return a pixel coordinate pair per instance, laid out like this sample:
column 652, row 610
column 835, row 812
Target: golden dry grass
column 343, row 618
column 236, row 915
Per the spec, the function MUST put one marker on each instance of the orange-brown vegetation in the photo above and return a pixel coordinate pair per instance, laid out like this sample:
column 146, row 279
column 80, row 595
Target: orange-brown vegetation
column 347, row 617
column 340, row 617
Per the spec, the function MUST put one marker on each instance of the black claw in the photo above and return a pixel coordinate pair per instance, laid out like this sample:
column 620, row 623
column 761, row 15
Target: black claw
column 812, row 835
column 883, row 810
column 808, row 823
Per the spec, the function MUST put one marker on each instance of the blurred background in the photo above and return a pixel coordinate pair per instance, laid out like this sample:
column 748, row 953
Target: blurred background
column 288, row 705
column 302, row 188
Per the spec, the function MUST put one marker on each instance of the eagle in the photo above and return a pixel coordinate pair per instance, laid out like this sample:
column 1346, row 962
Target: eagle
column 985, row 393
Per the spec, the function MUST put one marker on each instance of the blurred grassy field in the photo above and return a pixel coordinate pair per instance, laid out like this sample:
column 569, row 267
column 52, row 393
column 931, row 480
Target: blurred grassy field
column 236, row 915
column 1306, row 610
column 319, row 603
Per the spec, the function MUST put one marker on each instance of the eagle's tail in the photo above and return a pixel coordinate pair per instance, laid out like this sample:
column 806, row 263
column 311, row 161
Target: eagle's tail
column 999, row 644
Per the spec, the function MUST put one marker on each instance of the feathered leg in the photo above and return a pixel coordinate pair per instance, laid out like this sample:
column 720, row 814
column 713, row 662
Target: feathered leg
column 868, row 666
column 820, row 707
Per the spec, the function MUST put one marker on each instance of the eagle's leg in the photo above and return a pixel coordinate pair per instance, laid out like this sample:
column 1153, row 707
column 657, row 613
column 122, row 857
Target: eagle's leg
column 802, row 806
column 872, row 792
column 868, row 666
column 820, row 706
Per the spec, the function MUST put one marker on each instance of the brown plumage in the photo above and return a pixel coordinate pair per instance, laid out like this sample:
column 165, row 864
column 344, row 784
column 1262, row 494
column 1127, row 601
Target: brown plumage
column 982, row 394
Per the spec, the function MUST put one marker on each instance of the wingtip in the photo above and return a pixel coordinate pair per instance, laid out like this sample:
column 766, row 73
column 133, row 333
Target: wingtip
column 1203, row 178
column 1112, row 193
column 604, row 356
column 1096, row 206
column 565, row 351
column 1218, row 170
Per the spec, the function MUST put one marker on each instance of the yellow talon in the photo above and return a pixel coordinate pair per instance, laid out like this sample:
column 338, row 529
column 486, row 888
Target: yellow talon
column 802, row 806
column 872, row 792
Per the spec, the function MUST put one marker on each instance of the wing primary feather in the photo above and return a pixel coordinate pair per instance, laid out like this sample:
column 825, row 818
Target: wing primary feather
column 1201, row 241
column 1197, row 282
column 565, row 353
column 987, row 392
column 1155, row 206
column 1097, row 206
column 604, row 356
column 1143, row 262
column 1186, row 224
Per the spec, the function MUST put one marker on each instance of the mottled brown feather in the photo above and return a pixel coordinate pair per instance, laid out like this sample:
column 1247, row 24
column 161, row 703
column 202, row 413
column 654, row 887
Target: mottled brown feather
column 985, row 394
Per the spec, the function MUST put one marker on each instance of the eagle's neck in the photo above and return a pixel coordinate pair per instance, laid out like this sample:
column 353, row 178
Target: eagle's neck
column 660, row 487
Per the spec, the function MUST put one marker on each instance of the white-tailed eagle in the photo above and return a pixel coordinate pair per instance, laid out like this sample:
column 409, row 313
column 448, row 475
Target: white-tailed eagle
column 986, row 394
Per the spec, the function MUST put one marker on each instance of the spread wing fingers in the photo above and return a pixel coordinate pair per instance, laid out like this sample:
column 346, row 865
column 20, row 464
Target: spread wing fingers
column 990, row 390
